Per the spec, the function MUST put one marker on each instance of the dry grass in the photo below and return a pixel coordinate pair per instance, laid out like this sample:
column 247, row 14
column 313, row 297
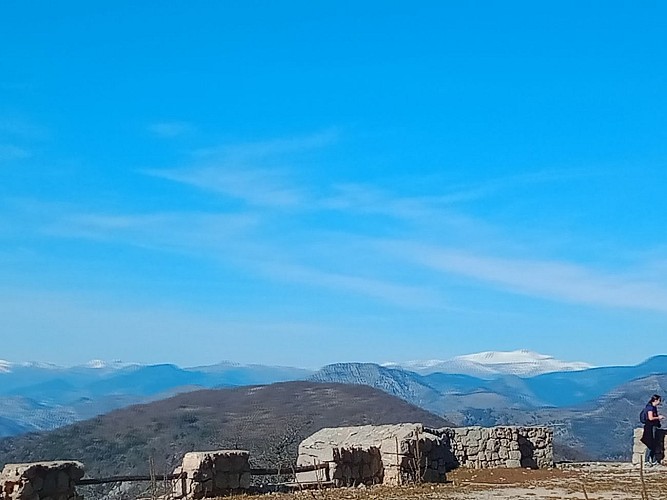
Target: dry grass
column 576, row 481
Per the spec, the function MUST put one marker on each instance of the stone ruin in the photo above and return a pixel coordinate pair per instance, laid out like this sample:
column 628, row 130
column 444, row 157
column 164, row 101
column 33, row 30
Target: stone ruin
column 212, row 474
column 41, row 481
column 407, row 453
column 385, row 454
column 502, row 446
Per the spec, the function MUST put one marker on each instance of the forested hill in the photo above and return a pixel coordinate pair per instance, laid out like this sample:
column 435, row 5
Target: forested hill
column 270, row 421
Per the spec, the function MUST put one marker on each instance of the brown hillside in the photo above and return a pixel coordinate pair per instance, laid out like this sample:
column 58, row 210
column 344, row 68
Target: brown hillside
column 268, row 420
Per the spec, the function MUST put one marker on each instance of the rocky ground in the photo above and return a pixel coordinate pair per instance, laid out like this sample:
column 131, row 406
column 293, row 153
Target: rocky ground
column 592, row 481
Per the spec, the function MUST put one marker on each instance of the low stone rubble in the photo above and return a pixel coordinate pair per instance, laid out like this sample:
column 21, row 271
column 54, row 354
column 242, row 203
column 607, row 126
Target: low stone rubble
column 41, row 481
column 212, row 474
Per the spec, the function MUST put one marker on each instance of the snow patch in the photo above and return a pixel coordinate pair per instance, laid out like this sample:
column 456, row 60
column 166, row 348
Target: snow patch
column 100, row 364
column 40, row 365
column 522, row 363
column 96, row 364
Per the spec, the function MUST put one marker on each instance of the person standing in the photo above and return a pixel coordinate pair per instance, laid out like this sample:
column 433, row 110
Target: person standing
column 651, row 425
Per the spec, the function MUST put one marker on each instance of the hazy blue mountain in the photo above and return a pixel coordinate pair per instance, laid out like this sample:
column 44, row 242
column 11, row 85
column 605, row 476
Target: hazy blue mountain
column 41, row 396
column 576, row 387
column 406, row 385
column 600, row 429
column 11, row 428
column 417, row 389
column 147, row 380
column 234, row 374
column 453, row 383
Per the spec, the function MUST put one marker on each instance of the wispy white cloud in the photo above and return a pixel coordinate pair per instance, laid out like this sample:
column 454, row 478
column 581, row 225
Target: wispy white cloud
column 171, row 129
column 263, row 173
column 360, row 198
column 555, row 280
column 255, row 173
column 364, row 199
column 262, row 177
column 272, row 150
column 18, row 138
column 228, row 239
column 398, row 294
column 19, row 128
column 192, row 232
column 439, row 197
column 10, row 152
column 255, row 186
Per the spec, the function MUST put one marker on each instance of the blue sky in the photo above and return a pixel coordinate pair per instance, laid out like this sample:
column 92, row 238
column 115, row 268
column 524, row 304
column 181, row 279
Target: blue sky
column 308, row 182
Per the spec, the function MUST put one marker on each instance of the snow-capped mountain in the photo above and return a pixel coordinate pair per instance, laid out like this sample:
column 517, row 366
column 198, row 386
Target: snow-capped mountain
column 100, row 364
column 489, row 364
column 42, row 396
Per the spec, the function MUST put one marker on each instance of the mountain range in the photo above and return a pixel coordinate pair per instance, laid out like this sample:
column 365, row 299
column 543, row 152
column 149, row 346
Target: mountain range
column 270, row 421
column 490, row 364
column 38, row 396
column 518, row 387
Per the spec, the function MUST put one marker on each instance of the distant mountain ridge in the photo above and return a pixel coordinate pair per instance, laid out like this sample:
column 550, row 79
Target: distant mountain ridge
column 449, row 392
column 40, row 396
column 489, row 364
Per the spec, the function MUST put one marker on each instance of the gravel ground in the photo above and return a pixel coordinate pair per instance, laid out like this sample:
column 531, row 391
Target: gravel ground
column 592, row 481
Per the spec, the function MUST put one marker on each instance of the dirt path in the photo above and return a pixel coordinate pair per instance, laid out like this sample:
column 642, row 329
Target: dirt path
column 592, row 481
column 595, row 481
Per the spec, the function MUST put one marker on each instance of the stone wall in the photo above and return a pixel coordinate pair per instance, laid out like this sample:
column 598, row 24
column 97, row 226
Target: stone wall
column 639, row 449
column 41, row 481
column 510, row 446
column 403, row 453
column 212, row 474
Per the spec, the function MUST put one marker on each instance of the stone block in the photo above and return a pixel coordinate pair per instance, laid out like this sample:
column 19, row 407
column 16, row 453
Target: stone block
column 40, row 480
column 366, row 472
column 213, row 472
column 62, row 482
column 233, row 480
column 474, row 435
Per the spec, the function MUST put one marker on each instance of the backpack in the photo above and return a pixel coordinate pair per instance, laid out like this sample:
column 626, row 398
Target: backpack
column 643, row 417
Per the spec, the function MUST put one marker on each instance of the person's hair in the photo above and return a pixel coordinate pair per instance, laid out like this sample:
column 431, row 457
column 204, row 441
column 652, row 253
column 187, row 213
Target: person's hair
column 654, row 398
